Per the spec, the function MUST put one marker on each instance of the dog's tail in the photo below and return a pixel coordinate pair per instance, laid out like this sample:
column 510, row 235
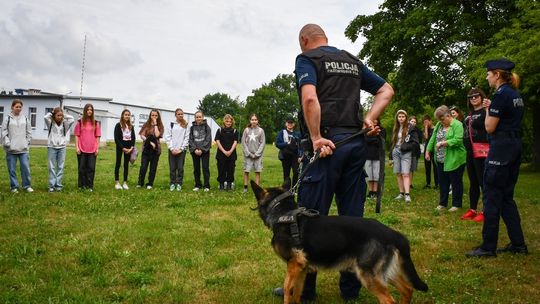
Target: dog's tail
column 410, row 271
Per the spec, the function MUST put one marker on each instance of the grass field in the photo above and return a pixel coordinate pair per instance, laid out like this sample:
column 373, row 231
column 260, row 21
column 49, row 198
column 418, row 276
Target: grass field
column 156, row 246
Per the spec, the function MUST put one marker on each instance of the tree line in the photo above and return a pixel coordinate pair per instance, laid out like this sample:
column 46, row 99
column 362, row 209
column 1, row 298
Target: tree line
column 431, row 52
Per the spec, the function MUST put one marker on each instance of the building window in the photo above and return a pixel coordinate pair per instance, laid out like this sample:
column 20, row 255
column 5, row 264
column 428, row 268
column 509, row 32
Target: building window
column 32, row 113
column 47, row 110
column 1, row 115
column 142, row 119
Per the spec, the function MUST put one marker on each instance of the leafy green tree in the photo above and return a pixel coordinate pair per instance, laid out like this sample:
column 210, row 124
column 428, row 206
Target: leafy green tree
column 519, row 42
column 218, row 104
column 432, row 52
column 273, row 103
column 420, row 45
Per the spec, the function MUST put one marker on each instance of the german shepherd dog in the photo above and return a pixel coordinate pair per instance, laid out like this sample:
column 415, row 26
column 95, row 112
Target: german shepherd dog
column 377, row 254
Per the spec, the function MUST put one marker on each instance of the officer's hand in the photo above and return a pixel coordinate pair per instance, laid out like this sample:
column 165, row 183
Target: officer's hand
column 368, row 124
column 324, row 146
column 486, row 103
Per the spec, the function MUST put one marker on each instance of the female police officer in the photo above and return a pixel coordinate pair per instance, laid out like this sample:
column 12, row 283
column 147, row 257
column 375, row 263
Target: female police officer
column 503, row 121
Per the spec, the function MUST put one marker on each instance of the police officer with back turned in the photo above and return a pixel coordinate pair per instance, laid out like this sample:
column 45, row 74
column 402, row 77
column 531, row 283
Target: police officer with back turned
column 329, row 81
column 503, row 124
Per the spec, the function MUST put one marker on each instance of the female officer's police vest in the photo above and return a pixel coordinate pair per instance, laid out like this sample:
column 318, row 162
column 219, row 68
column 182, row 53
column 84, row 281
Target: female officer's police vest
column 339, row 77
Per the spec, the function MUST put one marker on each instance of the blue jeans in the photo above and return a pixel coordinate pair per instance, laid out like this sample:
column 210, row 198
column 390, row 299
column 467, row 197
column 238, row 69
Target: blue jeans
column 11, row 160
column 56, row 158
column 454, row 178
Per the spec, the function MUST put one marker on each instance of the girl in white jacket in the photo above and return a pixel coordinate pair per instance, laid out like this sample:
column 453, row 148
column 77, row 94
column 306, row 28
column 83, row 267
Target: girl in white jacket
column 59, row 126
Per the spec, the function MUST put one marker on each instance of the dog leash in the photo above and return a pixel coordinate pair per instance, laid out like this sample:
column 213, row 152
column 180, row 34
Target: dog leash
column 317, row 155
column 294, row 189
column 380, row 183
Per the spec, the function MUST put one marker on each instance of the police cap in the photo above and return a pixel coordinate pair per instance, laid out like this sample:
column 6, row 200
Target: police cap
column 500, row 64
column 290, row 119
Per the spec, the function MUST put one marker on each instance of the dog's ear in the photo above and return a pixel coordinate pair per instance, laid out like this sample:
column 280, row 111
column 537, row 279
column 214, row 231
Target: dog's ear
column 257, row 190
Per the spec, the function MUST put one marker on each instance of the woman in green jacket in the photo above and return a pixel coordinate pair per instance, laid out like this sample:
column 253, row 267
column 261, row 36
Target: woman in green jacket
column 446, row 146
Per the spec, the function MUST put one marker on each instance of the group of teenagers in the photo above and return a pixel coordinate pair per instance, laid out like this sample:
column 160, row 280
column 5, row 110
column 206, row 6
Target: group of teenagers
column 454, row 143
column 180, row 139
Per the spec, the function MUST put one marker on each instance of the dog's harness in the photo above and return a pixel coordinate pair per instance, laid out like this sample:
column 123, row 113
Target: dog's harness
column 291, row 218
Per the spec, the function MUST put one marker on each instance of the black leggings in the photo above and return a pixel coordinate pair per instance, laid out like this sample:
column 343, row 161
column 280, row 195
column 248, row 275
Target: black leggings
column 475, row 170
column 119, row 153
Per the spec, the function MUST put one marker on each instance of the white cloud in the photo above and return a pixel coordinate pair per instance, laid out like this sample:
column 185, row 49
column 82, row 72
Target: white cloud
column 161, row 52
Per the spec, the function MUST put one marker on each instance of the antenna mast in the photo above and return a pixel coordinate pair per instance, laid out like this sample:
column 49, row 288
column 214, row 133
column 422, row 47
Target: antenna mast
column 82, row 72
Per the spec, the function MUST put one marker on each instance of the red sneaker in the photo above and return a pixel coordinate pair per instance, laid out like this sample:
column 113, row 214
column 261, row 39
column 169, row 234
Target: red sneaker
column 479, row 218
column 469, row 215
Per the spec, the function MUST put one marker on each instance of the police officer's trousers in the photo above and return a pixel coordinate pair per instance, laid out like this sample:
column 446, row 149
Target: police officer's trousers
column 500, row 178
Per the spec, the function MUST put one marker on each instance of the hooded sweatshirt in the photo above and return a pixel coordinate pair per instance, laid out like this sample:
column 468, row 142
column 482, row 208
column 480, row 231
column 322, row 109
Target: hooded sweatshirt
column 177, row 137
column 253, row 140
column 16, row 134
column 200, row 137
column 58, row 134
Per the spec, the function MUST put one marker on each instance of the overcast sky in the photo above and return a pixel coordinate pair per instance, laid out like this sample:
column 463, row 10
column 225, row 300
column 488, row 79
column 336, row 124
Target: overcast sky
column 162, row 53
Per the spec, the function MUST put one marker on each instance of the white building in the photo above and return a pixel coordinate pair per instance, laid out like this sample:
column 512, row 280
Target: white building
column 37, row 103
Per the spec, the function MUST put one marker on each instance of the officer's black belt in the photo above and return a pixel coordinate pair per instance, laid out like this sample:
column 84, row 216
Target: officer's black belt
column 328, row 132
column 505, row 134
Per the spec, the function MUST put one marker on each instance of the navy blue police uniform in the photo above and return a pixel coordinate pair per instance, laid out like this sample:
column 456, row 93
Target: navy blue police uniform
column 338, row 77
column 502, row 165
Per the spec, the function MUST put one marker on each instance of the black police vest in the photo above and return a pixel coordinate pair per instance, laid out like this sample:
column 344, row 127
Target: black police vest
column 339, row 78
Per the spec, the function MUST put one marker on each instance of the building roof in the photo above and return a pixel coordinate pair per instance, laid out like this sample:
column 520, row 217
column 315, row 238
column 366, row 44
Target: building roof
column 97, row 112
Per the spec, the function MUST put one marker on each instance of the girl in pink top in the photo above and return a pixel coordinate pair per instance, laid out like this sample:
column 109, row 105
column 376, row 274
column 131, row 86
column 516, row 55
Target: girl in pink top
column 87, row 133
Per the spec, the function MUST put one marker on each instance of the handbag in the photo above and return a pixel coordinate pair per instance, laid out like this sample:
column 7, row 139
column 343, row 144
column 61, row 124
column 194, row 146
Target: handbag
column 133, row 155
column 479, row 150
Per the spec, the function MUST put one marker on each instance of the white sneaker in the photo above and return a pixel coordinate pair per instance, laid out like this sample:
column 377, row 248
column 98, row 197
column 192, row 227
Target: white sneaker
column 29, row 190
column 440, row 207
column 172, row 187
column 51, row 189
column 125, row 186
column 117, row 186
column 399, row 197
column 178, row 187
column 453, row 209
column 149, row 187
column 245, row 190
column 407, row 198
column 196, row 189
column 206, row 189
column 14, row 190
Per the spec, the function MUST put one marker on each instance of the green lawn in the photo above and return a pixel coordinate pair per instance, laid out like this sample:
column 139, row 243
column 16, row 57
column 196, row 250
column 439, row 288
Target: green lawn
column 156, row 246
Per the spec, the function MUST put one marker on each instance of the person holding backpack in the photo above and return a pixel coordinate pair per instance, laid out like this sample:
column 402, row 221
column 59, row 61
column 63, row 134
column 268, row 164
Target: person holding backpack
column 150, row 133
column 288, row 143
column 59, row 125
column 16, row 137
column 226, row 141
column 177, row 138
